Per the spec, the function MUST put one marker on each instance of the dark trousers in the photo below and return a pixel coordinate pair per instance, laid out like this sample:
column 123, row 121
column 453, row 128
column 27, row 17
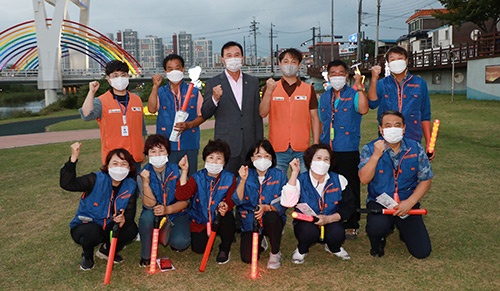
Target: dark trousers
column 272, row 228
column 226, row 232
column 412, row 231
column 347, row 165
column 90, row 235
column 307, row 234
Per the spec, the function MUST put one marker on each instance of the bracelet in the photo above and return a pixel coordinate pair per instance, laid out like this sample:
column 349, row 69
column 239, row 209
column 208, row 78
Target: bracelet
column 361, row 90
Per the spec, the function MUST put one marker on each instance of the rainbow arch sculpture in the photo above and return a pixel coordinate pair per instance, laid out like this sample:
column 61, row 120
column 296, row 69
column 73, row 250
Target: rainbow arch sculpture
column 18, row 43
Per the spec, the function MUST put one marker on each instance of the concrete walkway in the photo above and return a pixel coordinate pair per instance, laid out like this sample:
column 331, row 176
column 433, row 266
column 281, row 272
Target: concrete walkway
column 23, row 140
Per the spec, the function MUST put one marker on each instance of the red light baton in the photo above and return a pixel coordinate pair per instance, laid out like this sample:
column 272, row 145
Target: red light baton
column 154, row 245
column 304, row 217
column 111, row 255
column 432, row 143
column 392, row 211
column 182, row 115
column 254, row 272
column 210, row 243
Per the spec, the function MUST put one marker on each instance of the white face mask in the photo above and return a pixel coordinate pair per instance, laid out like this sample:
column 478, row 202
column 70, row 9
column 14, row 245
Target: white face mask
column 337, row 82
column 214, row 169
column 158, row 161
column 262, row 164
column 320, row 167
column 233, row 64
column 118, row 173
column 393, row 134
column 175, row 76
column 119, row 83
column 398, row 66
column 289, row 70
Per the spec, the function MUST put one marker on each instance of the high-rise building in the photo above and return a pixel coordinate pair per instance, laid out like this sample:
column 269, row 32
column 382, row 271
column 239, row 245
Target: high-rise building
column 168, row 48
column 203, row 52
column 151, row 52
column 185, row 47
column 129, row 42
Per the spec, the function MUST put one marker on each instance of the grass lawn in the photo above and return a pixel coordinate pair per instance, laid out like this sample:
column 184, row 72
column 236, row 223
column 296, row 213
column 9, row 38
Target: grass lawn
column 37, row 252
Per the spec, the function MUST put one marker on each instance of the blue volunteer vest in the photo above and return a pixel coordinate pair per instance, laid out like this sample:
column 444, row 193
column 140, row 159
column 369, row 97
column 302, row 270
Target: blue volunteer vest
column 331, row 198
column 206, row 185
column 347, row 122
column 190, row 138
column 98, row 204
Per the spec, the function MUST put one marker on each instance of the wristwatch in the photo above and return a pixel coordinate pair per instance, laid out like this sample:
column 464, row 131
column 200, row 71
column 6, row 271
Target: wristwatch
column 361, row 89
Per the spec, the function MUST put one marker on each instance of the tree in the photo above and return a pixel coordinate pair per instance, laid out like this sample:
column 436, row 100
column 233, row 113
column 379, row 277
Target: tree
column 483, row 13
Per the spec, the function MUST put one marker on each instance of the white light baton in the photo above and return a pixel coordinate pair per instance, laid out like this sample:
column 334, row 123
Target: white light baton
column 182, row 115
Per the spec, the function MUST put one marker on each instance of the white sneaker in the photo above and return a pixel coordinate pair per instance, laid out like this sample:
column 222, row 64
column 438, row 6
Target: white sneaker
column 274, row 261
column 341, row 254
column 264, row 243
column 297, row 257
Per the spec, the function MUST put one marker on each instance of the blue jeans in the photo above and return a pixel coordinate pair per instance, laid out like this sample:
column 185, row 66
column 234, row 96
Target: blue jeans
column 283, row 159
column 179, row 237
column 192, row 155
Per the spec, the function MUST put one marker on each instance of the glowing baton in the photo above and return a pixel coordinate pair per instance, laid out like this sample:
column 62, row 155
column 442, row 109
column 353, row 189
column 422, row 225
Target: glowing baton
column 210, row 243
column 111, row 254
column 254, row 272
column 432, row 143
column 304, row 217
column 358, row 72
column 392, row 211
column 154, row 245
column 182, row 115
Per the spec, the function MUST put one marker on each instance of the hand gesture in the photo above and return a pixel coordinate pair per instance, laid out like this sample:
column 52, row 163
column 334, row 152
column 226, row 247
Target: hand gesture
column 217, row 92
column 295, row 165
column 271, row 84
column 259, row 213
column 184, row 164
column 75, row 151
column 93, row 87
column 160, row 210
column 181, row 126
column 145, row 176
column 157, row 79
column 378, row 148
column 357, row 80
column 243, row 172
column 376, row 70
column 402, row 208
column 222, row 208
column 323, row 219
column 120, row 218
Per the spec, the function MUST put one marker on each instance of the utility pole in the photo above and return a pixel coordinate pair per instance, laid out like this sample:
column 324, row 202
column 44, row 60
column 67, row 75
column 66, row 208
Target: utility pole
column 244, row 50
column 359, row 29
column 253, row 30
column 376, row 35
column 271, row 36
column 314, row 46
column 333, row 37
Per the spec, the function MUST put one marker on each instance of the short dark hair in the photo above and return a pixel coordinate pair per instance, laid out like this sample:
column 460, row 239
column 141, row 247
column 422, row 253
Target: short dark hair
column 171, row 57
column 155, row 140
column 218, row 145
column 336, row 63
column 266, row 145
column 396, row 50
column 390, row 112
column 230, row 44
column 309, row 154
column 295, row 53
column 116, row 66
column 124, row 155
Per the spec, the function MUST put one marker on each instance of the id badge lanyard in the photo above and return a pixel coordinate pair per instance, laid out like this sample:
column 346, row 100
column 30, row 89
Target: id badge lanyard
column 123, row 109
column 397, row 171
column 260, row 196
column 332, row 131
column 321, row 204
column 165, row 189
column 213, row 186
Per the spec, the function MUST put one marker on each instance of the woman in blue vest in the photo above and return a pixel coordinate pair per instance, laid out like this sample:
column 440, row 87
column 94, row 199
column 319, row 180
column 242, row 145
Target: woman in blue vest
column 108, row 198
column 209, row 191
column 260, row 184
column 156, row 185
column 322, row 193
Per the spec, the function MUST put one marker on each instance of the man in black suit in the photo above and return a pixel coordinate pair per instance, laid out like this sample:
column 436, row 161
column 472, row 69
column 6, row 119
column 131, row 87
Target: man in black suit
column 233, row 98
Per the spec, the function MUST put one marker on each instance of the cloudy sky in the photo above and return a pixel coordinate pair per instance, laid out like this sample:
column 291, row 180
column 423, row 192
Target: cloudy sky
column 223, row 20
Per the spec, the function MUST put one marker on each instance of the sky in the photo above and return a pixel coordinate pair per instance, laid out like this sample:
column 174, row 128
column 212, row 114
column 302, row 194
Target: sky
column 223, row 20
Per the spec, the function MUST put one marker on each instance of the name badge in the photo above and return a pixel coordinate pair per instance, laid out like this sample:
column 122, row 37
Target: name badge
column 124, row 130
column 114, row 111
column 301, row 98
column 136, row 109
column 278, row 98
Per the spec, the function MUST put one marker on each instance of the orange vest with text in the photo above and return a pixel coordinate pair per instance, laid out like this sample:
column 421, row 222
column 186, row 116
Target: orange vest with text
column 289, row 118
column 111, row 123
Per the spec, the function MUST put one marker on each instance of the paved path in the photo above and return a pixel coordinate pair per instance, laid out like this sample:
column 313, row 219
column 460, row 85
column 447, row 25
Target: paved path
column 22, row 140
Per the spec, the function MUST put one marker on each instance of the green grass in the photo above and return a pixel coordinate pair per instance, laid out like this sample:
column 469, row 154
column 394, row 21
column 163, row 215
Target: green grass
column 37, row 252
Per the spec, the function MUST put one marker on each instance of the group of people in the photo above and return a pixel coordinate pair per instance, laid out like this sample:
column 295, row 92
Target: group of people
column 243, row 186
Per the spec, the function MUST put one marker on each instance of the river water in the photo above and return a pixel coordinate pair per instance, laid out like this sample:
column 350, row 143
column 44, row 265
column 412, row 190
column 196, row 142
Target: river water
column 35, row 107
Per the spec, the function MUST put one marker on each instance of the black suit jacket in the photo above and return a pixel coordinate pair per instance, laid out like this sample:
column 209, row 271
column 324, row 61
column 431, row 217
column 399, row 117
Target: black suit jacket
column 239, row 128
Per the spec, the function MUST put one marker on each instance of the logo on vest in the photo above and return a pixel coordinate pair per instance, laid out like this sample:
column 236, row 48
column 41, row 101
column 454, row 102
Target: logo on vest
column 136, row 109
column 301, row 98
